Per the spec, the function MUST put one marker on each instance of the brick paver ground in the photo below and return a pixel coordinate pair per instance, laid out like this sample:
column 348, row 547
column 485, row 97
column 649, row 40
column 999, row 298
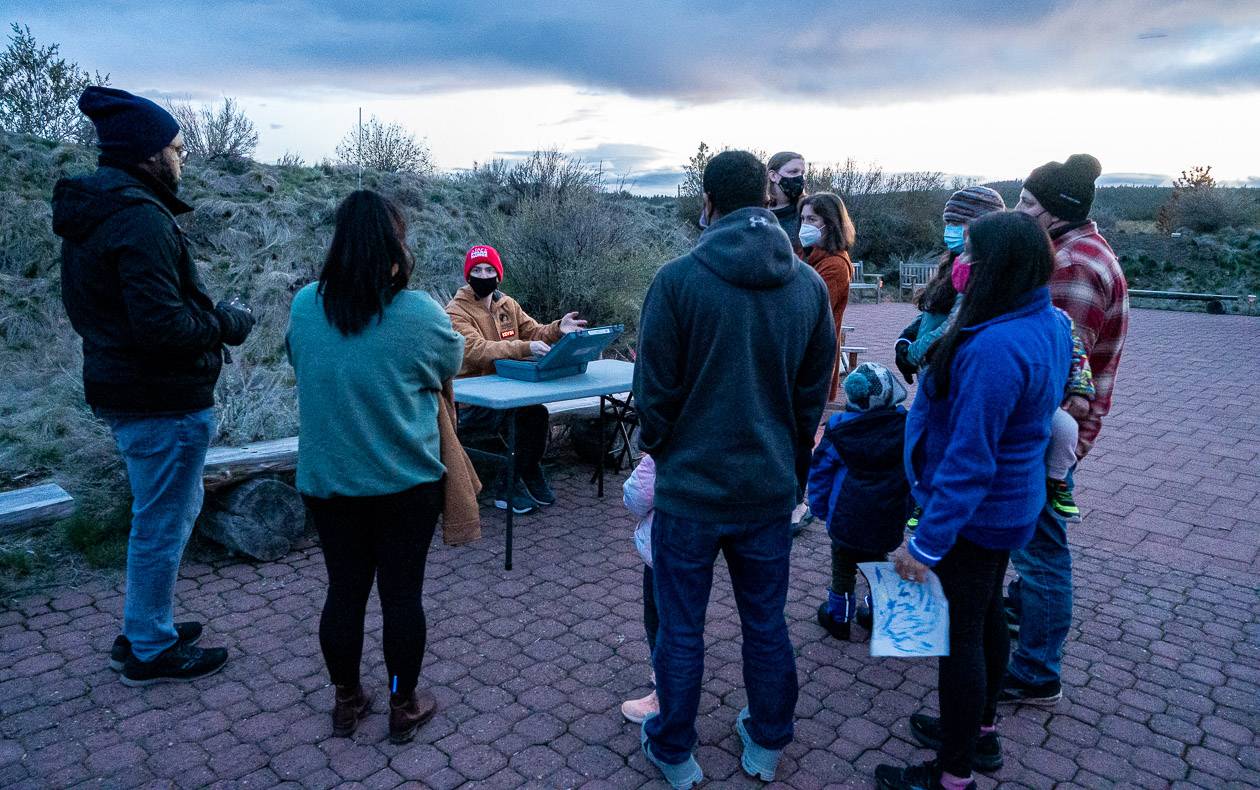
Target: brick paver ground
column 1162, row 672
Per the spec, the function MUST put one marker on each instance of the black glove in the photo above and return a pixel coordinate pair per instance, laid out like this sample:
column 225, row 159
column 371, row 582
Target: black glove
column 907, row 368
column 235, row 321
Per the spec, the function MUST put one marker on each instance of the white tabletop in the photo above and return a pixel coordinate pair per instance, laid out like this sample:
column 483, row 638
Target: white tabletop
column 602, row 377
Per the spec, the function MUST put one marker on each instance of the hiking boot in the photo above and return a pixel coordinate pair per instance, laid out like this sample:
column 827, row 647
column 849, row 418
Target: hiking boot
column 408, row 712
column 180, row 661
column 188, row 633
column 925, row 776
column 681, row 776
column 350, row 705
column 988, row 754
column 864, row 616
column 636, row 710
column 912, row 523
column 1017, row 692
column 1061, row 500
column 757, row 761
column 522, row 502
column 837, row 628
column 537, row 487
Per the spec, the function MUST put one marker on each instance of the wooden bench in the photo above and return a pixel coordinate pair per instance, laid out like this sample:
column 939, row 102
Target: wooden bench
column 1215, row 302
column 863, row 283
column 913, row 275
column 30, row 507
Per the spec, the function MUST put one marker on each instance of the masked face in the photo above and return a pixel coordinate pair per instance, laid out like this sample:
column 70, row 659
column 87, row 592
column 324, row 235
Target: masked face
column 810, row 234
column 483, row 286
column 793, row 187
column 961, row 273
column 955, row 238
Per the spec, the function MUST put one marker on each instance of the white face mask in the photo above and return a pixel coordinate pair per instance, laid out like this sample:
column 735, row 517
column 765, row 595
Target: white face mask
column 809, row 235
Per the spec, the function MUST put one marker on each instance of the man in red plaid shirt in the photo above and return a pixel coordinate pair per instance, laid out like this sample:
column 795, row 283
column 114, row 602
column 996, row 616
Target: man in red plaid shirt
column 1089, row 286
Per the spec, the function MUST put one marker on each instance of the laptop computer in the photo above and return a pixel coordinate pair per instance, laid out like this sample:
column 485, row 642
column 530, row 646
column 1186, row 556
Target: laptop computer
column 568, row 357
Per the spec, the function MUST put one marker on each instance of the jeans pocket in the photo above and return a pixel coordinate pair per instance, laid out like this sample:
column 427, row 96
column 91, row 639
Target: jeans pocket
column 144, row 437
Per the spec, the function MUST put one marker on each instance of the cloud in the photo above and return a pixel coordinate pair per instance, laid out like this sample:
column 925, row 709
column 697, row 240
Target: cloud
column 1134, row 179
column 859, row 52
column 276, row 125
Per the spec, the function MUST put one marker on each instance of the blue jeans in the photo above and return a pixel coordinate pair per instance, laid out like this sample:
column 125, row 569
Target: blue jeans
column 165, row 456
column 683, row 554
column 1043, row 597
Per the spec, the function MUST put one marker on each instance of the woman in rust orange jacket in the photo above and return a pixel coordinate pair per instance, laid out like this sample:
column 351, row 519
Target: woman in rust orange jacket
column 827, row 235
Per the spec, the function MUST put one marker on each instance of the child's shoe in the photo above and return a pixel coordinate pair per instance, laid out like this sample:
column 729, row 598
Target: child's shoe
column 864, row 616
column 836, row 614
column 757, row 761
column 1061, row 500
column 636, row 710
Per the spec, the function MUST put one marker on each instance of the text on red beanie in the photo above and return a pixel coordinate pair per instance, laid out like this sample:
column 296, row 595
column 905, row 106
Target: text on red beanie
column 483, row 253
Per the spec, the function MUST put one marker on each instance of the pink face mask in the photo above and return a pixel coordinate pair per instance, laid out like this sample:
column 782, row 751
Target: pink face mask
column 960, row 273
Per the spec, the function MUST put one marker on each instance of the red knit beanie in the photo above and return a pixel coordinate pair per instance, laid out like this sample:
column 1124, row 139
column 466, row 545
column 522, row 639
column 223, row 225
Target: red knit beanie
column 483, row 253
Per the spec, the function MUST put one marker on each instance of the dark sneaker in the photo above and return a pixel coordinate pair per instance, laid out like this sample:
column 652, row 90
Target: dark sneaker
column 926, row 776
column 350, row 705
column 177, row 662
column 988, row 755
column 538, row 488
column 1017, row 692
column 522, row 502
column 863, row 616
column 408, row 713
column 188, row 633
column 834, row 627
column 912, row 523
column 1061, row 500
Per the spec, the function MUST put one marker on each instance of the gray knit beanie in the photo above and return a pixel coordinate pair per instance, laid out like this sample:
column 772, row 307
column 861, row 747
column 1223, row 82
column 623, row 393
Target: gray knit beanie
column 871, row 386
column 966, row 204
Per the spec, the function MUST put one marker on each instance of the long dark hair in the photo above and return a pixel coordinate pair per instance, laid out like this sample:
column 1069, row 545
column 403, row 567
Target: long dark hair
column 358, row 281
column 938, row 295
column 1010, row 256
column 838, row 231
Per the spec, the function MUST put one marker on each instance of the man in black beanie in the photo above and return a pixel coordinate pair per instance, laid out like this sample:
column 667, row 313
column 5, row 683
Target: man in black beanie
column 1088, row 284
column 153, row 344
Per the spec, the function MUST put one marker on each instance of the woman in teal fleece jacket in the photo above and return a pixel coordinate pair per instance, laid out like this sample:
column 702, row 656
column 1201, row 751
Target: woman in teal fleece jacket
column 975, row 454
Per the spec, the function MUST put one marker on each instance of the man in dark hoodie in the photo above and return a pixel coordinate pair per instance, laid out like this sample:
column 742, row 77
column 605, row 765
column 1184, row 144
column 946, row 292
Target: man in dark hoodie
column 153, row 344
column 736, row 345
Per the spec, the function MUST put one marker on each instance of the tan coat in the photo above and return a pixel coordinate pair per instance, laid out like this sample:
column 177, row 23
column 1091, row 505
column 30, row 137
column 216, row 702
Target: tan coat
column 461, row 516
column 502, row 332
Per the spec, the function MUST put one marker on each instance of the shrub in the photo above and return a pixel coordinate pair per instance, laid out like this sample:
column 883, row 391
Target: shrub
column 388, row 148
column 221, row 133
column 39, row 92
column 1214, row 209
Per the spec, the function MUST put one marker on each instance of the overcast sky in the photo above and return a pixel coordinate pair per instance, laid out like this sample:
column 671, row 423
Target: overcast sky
column 984, row 89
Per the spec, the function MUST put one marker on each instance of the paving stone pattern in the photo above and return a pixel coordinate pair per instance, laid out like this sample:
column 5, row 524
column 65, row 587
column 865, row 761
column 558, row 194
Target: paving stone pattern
column 1162, row 672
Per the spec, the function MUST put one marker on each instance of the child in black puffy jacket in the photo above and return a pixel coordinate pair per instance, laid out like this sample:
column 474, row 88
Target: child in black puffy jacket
column 857, row 485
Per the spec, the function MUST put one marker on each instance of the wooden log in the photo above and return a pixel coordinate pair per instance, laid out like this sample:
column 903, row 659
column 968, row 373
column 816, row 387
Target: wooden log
column 30, row 507
column 261, row 518
column 226, row 466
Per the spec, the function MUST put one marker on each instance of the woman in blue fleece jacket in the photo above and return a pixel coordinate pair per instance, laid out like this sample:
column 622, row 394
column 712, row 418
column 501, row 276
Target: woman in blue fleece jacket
column 976, row 439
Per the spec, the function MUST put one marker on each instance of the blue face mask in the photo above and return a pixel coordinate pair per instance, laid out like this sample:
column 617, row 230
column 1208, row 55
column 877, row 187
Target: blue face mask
column 955, row 238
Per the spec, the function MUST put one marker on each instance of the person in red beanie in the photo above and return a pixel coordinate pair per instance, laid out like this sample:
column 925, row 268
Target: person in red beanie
column 495, row 327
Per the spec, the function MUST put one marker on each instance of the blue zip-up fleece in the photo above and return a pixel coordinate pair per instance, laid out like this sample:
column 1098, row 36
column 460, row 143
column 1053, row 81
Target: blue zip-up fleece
column 857, row 483
column 976, row 458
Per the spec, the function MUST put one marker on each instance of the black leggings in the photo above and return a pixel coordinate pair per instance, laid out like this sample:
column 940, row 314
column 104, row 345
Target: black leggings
column 386, row 537
column 651, row 620
column 844, row 567
column 970, row 677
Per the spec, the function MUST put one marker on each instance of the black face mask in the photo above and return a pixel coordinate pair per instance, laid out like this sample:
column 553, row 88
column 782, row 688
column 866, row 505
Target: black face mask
column 483, row 286
column 792, row 186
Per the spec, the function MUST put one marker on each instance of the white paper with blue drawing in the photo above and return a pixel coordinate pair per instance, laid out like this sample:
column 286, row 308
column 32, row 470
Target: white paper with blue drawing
column 909, row 618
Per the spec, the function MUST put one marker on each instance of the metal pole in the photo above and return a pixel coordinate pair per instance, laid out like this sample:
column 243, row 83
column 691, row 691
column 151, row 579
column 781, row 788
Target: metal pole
column 360, row 148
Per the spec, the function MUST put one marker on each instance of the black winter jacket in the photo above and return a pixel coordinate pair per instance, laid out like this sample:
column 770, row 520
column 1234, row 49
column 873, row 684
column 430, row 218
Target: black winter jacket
column 152, row 338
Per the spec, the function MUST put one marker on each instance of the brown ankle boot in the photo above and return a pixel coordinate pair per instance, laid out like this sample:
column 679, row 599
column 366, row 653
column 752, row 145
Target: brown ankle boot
column 351, row 704
column 407, row 712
